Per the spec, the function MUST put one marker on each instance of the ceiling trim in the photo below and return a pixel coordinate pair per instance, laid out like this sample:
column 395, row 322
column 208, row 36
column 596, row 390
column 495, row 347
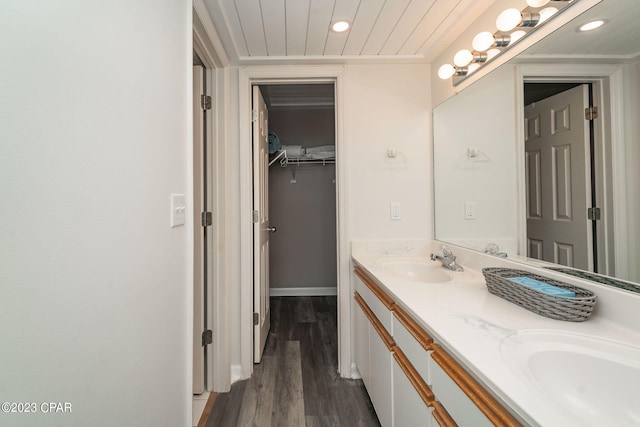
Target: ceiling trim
column 331, row 59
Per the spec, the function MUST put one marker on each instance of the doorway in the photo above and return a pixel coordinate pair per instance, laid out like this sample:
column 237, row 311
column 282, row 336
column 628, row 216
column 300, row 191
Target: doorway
column 247, row 78
column 300, row 195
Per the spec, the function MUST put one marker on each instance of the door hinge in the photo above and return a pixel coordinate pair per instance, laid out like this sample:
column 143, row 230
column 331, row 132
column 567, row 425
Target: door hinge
column 205, row 102
column 591, row 113
column 254, row 115
column 256, row 319
column 593, row 214
column 255, row 217
column 206, row 219
column 207, row 337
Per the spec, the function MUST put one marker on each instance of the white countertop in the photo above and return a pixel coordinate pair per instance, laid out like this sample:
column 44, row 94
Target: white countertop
column 472, row 325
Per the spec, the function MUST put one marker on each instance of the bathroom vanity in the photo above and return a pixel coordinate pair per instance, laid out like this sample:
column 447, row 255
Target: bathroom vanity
column 434, row 347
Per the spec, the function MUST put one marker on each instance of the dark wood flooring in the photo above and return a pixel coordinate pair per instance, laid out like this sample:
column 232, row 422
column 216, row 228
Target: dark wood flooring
column 297, row 382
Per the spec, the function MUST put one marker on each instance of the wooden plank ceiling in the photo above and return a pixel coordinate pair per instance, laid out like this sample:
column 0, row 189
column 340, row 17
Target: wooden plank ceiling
column 286, row 31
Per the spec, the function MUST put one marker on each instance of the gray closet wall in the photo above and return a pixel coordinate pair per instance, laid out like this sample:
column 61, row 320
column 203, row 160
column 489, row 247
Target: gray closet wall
column 303, row 250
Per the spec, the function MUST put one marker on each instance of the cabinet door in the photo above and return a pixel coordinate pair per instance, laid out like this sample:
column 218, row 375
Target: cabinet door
column 361, row 353
column 380, row 389
column 409, row 410
column 376, row 360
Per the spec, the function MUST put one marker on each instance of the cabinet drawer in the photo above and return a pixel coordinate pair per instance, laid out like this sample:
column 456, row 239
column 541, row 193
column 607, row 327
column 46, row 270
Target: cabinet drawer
column 379, row 302
column 468, row 403
column 414, row 342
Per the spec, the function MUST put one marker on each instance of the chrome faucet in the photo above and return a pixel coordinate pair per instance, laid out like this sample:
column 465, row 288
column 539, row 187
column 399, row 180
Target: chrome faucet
column 447, row 259
column 493, row 249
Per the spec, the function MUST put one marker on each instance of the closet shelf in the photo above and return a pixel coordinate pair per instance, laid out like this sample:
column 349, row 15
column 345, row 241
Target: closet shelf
column 296, row 161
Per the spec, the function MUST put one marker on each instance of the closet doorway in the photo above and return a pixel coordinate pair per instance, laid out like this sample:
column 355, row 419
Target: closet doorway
column 302, row 191
column 278, row 75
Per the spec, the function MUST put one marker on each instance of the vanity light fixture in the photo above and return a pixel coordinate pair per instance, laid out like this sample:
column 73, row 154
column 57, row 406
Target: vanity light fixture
column 487, row 45
column 340, row 26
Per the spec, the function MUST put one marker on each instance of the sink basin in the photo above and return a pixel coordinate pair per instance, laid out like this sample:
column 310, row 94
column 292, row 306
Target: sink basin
column 594, row 379
column 416, row 269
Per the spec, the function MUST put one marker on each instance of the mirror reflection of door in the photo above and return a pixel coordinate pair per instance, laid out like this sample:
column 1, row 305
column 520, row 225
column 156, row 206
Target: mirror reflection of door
column 559, row 179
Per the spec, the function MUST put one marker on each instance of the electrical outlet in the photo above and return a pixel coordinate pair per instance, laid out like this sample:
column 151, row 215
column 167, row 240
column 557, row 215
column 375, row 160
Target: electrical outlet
column 469, row 210
column 394, row 211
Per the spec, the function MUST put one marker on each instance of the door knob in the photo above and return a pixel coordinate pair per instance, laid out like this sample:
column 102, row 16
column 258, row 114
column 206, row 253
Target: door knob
column 271, row 229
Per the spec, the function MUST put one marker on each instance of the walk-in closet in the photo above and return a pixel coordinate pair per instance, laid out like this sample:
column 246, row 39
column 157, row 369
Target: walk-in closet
column 302, row 189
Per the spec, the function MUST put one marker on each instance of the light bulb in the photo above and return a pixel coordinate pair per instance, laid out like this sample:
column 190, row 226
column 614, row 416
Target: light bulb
column 483, row 41
column 472, row 67
column 517, row 35
column 462, row 57
column 537, row 3
column 446, row 71
column 508, row 19
column 547, row 13
column 491, row 53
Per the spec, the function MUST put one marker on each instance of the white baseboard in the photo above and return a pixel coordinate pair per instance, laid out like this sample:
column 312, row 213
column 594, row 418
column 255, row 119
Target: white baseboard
column 303, row 292
column 236, row 373
column 355, row 374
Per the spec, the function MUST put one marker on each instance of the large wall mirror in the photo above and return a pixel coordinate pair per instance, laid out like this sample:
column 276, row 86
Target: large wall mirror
column 518, row 165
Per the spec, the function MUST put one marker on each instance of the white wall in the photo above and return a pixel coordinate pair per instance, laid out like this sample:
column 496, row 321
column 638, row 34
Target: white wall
column 482, row 117
column 389, row 107
column 95, row 132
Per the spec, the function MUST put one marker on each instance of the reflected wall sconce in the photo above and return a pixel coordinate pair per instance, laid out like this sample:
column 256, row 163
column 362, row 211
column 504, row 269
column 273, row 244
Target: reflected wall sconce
column 512, row 25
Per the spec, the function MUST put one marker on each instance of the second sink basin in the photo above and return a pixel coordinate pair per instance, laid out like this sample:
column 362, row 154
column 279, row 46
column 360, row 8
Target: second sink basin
column 594, row 379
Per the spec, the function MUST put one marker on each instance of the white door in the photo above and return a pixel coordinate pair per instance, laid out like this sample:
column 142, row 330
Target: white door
column 558, row 179
column 198, row 230
column 261, row 230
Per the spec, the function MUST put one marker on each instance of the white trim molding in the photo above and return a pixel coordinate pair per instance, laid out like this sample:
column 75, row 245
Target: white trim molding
column 208, row 47
column 205, row 38
column 248, row 76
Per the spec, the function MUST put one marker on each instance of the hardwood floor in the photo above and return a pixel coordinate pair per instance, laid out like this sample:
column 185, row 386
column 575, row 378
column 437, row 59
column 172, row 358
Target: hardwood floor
column 297, row 382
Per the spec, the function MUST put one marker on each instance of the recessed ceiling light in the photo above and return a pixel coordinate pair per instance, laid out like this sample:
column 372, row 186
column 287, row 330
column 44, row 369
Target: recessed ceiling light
column 340, row 26
column 592, row 25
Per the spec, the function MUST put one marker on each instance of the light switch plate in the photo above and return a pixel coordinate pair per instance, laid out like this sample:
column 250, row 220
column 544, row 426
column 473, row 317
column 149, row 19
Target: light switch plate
column 394, row 212
column 178, row 208
column 469, row 210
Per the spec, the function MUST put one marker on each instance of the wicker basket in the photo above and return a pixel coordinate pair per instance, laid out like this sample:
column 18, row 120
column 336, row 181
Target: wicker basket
column 573, row 309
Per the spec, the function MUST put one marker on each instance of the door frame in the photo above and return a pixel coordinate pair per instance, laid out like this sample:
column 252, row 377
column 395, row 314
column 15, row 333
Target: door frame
column 259, row 75
column 208, row 46
column 200, row 197
column 608, row 90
